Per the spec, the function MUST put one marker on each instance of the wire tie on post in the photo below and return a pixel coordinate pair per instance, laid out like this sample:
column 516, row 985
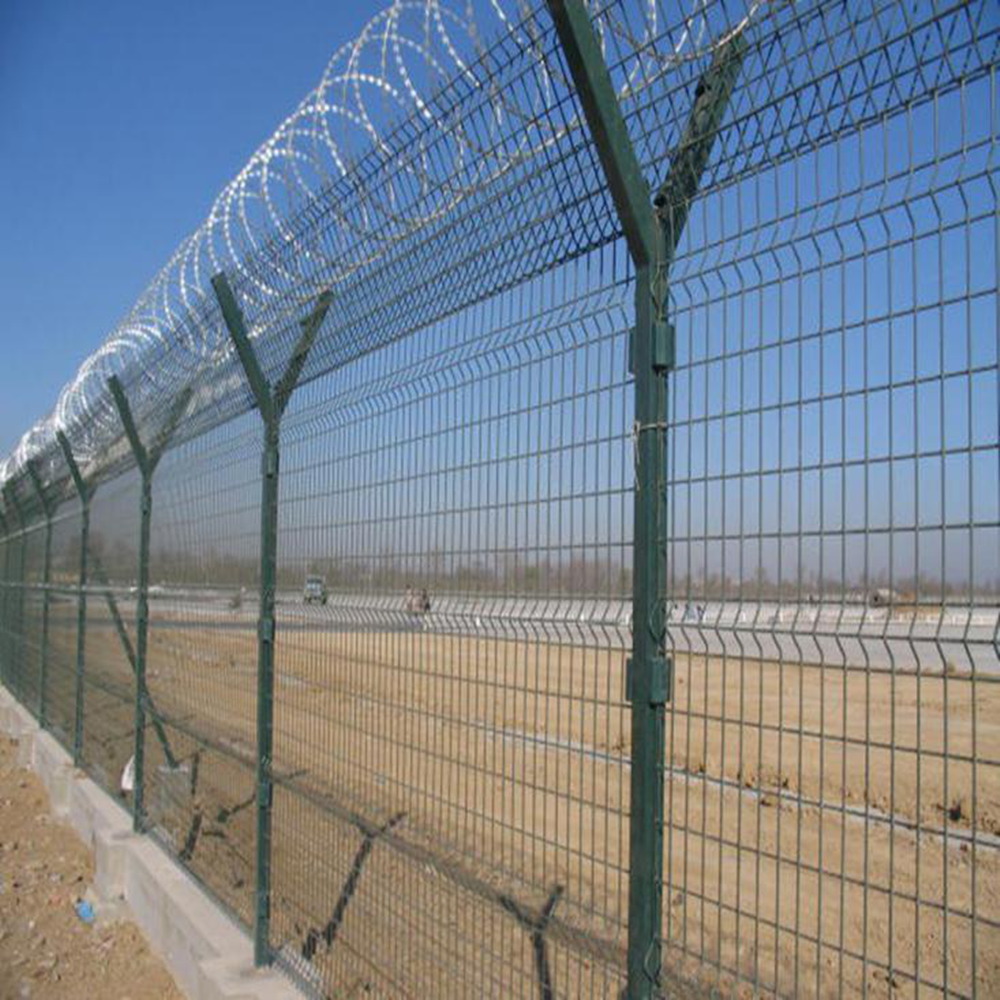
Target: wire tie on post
column 637, row 429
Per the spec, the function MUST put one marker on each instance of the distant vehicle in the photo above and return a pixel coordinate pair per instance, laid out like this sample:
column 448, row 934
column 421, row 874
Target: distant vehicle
column 315, row 591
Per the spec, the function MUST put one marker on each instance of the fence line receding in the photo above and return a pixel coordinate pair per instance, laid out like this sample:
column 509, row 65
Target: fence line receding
column 540, row 536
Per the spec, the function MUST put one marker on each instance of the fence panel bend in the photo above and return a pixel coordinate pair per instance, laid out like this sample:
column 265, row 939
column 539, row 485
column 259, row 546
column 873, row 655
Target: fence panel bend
column 604, row 598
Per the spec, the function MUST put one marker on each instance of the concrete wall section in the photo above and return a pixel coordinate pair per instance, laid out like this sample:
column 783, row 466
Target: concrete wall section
column 209, row 957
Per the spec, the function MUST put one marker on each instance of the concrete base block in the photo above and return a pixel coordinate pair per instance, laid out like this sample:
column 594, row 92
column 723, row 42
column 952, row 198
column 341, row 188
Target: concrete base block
column 225, row 979
column 55, row 767
column 111, row 850
column 93, row 811
column 164, row 905
column 20, row 722
column 209, row 957
column 7, row 702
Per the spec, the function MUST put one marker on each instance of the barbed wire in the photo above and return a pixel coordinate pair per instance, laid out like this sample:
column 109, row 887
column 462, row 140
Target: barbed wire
column 404, row 59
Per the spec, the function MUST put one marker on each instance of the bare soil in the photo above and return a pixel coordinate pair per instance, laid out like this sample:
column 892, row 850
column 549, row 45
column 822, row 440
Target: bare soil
column 46, row 950
column 829, row 831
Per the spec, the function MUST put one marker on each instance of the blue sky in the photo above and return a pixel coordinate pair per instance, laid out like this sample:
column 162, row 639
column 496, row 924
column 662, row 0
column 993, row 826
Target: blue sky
column 856, row 365
column 121, row 122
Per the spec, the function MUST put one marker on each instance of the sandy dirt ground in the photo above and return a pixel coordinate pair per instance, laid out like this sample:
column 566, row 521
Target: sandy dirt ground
column 46, row 950
column 829, row 831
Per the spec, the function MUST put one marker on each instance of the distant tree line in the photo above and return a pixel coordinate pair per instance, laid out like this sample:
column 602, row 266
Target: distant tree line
column 597, row 575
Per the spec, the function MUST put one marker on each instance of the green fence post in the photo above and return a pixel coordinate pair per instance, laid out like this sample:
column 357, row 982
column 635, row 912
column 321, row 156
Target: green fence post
column 146, row 460
column 85, row 493
column 48, row 509
column 142, row 598
column 271, row 402
column 652, row 228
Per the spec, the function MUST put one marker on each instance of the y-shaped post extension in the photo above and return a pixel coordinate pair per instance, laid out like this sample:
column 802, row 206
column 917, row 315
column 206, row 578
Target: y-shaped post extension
column 271, row 401
column 147, row 460
column 652, row 228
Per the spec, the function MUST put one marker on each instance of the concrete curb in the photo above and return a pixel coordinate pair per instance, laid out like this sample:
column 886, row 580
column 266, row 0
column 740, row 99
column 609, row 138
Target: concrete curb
column 206, row 953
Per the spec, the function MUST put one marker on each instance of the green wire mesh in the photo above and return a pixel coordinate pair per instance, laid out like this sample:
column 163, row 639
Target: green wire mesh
column 455, row 549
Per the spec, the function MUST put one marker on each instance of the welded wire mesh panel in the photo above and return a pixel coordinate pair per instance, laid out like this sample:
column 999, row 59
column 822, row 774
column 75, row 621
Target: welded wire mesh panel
column 60, row 693
column 110, row 638
column 455, row 550
column 452, row 745
column 10, row 634
column 31, row 610
column 202, row 658
column 15, row 558
column 12, row 609
column 6, row 631
column 833, row 747
column 19, row 568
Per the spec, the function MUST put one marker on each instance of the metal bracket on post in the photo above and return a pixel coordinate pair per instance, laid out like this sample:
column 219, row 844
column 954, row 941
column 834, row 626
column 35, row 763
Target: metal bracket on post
column 86, row 494
column 661, row 671
column 146, row 460
column 271, row 401
column 664, row 346
column 652, row 228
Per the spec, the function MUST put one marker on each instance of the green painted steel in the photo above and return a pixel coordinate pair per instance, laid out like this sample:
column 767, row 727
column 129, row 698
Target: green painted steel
column 9, row 574
column 4, row 623
column 596, row 94
column 634, row 205
column 664, row 353
column 8, row 593
column 142, row 636
column 146, row 460
column 13, row 541
column 272, row 404
column 652, row 228
column 6, row 641
column 86, row 495
column 22, row 582
column 104, row 589
column 712, row 95
column 48, row 509
column 142, row 600
column 16, row 596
